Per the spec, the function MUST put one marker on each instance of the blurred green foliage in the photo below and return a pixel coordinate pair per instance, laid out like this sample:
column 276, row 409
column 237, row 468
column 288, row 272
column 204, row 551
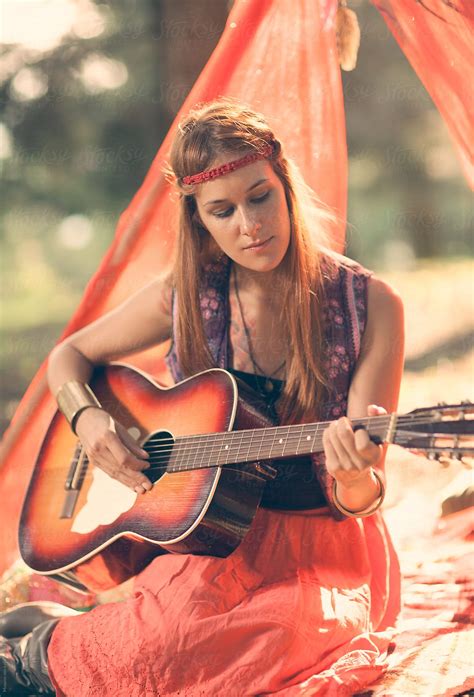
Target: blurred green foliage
column 79, row 152
column 407, row 195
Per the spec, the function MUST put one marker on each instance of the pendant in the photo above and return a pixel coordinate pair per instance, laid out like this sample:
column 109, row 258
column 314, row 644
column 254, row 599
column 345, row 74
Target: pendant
column 268, row 386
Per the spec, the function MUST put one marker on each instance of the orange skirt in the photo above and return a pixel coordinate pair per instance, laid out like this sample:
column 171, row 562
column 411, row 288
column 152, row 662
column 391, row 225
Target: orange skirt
column 298, row 609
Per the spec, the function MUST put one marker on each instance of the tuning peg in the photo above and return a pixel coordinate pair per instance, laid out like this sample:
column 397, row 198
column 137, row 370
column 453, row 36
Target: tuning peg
column 468, row 462
column 442, row 404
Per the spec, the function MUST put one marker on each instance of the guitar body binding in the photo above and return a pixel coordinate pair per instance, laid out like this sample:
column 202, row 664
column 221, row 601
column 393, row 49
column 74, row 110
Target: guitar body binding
column 205, row 512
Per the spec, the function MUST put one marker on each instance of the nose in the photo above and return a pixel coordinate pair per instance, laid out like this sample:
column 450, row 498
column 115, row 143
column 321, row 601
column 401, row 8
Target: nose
column 249, row 225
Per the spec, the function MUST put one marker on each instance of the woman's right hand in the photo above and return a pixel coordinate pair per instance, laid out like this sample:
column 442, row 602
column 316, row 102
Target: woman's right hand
column 108, row 445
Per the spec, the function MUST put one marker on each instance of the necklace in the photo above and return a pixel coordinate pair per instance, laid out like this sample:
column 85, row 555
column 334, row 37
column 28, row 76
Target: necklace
column 267, row 385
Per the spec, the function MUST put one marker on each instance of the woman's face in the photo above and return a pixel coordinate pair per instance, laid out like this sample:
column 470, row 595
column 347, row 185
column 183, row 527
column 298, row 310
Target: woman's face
column 246, row 213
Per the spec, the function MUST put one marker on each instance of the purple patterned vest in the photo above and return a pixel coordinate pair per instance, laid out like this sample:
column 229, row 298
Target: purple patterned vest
column 305, row 485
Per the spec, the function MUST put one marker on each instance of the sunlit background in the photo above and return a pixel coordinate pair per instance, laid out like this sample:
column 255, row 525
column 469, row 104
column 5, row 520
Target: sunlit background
column 88, row 91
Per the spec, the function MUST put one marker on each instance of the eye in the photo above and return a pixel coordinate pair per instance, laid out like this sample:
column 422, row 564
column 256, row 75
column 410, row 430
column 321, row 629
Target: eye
column 228, row 212
column 224, row 214
column 262, row 198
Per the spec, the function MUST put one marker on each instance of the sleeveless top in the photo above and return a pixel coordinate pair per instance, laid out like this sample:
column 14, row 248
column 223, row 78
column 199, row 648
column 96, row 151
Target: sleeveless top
column 304, row 482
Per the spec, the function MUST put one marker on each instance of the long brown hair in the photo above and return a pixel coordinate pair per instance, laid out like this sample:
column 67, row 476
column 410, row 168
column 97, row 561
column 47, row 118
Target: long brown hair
column 230, row 126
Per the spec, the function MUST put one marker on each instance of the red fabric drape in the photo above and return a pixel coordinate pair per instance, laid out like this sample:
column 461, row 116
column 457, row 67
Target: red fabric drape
column 279, row 56
column 437, row 38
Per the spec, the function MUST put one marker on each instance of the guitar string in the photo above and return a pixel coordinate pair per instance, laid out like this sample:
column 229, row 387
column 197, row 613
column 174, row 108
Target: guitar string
column 193, row 440
column 235, row 438
column 190, row 442
column 463, row 452
column 368, row 421
column 203, row 438
column 186, row 468
column 229, row 467
column 459, row 451
column 255, row 453
column 155, row 459
column 180, row 448
column 240, row 437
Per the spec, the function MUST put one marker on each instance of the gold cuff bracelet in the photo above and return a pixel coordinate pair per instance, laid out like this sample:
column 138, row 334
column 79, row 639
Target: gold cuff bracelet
column 368, row 510
column 72, row 398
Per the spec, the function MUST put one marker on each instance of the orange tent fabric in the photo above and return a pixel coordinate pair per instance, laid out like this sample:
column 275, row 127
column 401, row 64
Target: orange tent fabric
column 278, row 55
column 437, row 38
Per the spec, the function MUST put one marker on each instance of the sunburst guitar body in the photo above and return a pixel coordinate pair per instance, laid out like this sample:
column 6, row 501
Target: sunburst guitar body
column 210, row 454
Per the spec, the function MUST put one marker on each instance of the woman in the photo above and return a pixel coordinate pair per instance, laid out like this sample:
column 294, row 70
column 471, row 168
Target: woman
column 319, row 338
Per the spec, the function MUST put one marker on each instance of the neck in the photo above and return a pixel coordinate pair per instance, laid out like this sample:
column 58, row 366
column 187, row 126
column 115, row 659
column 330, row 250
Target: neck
column 261, row 284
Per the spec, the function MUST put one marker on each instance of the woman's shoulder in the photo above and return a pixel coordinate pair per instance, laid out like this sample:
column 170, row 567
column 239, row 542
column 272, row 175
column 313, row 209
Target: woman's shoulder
column 369, row 291
column 383, row 298
column 333, row 264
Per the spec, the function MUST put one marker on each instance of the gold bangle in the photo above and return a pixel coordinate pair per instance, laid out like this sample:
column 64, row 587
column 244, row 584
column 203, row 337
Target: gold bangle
column 72, row 398
column 368, row 510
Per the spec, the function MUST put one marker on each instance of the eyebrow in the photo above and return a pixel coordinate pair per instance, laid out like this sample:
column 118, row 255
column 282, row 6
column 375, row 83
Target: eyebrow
column 222, row 200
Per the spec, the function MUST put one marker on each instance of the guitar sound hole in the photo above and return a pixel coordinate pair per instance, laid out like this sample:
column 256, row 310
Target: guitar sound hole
column 159, row 447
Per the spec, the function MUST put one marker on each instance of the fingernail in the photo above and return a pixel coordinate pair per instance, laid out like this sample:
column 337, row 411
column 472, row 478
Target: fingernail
column 139, row 489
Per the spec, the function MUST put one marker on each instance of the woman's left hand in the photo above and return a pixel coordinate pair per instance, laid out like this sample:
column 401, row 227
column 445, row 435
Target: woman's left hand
column 349, row 455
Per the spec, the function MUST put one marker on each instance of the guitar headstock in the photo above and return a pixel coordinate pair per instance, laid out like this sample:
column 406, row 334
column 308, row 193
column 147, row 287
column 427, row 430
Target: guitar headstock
column 445, row 411
column 443, row 432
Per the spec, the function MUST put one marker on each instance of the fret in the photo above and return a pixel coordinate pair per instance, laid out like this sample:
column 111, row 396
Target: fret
column 310, row 437
column 221, row 453
column 236, row 440
column 226, row 450
column 313, row 442
column 299, row 440
column 186, row 460
column 213, row 455
column 284, row 440
column 177, row 455
column 262, row 438
column 199, row 463
column 217, row 449
column 249, row 443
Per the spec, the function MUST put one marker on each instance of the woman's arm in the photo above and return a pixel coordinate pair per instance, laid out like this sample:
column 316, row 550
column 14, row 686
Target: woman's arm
column 350, row 456
column 141, row 321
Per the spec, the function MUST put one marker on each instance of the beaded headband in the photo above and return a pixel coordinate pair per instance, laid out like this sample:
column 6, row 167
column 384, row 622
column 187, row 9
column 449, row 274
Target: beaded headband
column 201, row 177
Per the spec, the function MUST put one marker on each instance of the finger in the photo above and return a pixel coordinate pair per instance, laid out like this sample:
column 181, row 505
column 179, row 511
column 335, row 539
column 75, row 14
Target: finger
column 135, row 459
column 130, row 442
column 338, row 448
column 107, row 464
column 344, row 444
column 332, row 460
column 344, row 475
column 368, row 451
column 117, row 459
column 375, row 410
column 123, row 456
column 134, row 448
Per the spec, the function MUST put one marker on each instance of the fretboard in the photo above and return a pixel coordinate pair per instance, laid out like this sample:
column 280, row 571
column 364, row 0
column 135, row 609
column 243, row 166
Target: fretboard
column 211, row 449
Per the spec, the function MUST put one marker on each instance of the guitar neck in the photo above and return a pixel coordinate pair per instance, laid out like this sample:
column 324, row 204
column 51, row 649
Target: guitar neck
column 274, row 442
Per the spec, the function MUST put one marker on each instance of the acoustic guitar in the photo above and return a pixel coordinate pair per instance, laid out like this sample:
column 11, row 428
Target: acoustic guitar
column 211, row 453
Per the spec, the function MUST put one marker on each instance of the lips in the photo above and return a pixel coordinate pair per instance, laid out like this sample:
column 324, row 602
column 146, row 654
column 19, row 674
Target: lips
column 258, row 245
